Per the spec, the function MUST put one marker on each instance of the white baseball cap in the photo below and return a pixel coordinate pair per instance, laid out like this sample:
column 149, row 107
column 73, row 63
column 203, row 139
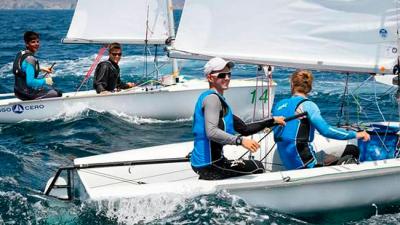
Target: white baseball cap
column 216, row 64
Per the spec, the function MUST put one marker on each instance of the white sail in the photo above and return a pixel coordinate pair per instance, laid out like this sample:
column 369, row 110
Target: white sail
column 123, row 21
column 343, row 35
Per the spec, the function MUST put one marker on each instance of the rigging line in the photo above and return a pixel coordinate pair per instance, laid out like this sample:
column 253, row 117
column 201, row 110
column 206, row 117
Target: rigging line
column 268, row 152
column 122, row 180
column 360, row 106
column 269, row 87
column 388, row 91
column 146, row 46
column 258, row 142
column 154, row 71
column 262, row 94
column 255, row 94
column 156, row 63
column 357, row 102
column 275, row 164
column 92, row 67
column 270, row 83
column 287, row 119
column 139, row 86
column 342, row 110
column 186, row 178
column 376, row 97
column 135, row 181
column 166, row 173
column 377, row 104
column 362, row 83
column 367, row 117
column 347, row 111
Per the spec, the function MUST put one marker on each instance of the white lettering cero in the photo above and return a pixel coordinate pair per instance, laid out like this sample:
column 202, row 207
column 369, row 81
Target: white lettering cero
column 33, row 107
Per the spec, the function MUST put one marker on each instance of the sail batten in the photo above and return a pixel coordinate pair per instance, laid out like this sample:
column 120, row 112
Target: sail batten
column 351, row 35
column 123, row 21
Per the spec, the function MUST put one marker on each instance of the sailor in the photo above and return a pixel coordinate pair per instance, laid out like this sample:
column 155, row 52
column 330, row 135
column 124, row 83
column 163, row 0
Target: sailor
column 28, row 85
column 215, row 125
column 107, row 74
column 294, row 141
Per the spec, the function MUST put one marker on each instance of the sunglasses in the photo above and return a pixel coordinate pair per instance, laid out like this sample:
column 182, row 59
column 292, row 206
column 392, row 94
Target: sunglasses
column 224, row 75
column 116, row 54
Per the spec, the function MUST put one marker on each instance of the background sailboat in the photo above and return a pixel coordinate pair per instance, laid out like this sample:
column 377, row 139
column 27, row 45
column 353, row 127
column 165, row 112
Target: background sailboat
column 147, row 22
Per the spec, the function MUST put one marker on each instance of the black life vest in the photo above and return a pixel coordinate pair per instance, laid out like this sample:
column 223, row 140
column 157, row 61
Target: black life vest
column 19, row 58
column 20, row 86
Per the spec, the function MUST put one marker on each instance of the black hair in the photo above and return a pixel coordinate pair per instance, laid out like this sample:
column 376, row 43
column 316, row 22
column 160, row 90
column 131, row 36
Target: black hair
column 113, row 46
column 30, row 35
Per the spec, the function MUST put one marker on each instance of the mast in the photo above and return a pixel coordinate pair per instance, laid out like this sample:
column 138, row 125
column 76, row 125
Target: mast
column 171, row 26
column 398, row 60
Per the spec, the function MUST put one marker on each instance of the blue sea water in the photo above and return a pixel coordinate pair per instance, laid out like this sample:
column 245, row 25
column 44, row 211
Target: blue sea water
column 30, row 152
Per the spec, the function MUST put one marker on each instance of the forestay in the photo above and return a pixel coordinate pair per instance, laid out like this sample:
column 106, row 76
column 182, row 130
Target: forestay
column 123, row 21
column 342, row 35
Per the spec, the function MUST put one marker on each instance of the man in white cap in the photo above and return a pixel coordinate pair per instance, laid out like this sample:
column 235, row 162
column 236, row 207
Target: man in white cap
column 215, row 125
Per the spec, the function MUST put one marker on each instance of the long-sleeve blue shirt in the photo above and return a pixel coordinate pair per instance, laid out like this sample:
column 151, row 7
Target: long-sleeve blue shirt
column 314, row 116
column 28, row 66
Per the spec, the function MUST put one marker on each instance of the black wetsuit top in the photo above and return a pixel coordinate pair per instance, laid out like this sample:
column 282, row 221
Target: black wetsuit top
column 107, row 77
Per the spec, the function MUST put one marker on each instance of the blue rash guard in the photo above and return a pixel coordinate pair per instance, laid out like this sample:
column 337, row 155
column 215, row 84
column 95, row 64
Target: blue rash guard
column 294, row 140
column 28, row 67
column 203, row 154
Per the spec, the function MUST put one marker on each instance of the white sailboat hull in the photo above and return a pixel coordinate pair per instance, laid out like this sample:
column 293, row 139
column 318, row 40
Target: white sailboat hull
column 330, row 188
column 165, row 103
column 294, row 192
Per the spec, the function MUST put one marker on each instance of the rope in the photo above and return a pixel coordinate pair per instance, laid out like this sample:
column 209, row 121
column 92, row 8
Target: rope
column 94, row 64
column 269, row 89
column 377, row 104
column 156, row 62
column 345, row 93
column 262, row 94
column 256, row 95
column 146, row 46
column 375, row 98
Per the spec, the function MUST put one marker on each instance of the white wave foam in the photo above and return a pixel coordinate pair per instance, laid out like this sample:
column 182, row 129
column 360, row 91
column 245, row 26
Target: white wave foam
column 140, row 120
column 9, row 180
column 10, row 152
column 12, row 195
column 78, row 110
column 5, row 71
column 72, row 114
column 141, row 209
column 130, row 65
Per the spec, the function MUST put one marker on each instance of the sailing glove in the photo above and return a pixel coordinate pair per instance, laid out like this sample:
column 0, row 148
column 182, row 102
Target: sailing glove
column 49, row 81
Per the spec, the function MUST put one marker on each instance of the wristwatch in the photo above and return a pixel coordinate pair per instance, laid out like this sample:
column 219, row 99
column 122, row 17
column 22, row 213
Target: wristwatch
column 239, row 140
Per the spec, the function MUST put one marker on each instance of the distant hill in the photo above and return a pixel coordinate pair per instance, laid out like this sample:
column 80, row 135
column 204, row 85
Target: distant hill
column 54, row 4
column 37, row 4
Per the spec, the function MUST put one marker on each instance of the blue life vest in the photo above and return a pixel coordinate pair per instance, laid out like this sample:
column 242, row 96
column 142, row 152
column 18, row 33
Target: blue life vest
column 294, row 139
column 201, row 154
